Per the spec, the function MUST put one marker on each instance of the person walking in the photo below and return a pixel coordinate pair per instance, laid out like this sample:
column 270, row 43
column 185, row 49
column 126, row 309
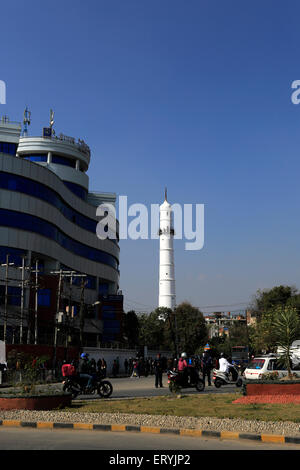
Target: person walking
column 158, row 370
column 206, row 364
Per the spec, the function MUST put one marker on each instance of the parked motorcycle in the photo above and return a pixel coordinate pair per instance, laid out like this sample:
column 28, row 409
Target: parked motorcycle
column 222, row 378
column 177, row 381
column 77, row 385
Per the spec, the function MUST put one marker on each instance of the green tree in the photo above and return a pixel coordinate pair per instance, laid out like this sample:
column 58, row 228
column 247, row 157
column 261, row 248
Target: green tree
column 287, row 328
column 266, row 300
column 192, row 331
column 131, row 328
column 263, row 335
column 152, row 331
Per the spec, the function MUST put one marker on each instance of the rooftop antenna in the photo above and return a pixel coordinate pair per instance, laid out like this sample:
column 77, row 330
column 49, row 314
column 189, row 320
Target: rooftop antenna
column 26, row 121
column 51, row 120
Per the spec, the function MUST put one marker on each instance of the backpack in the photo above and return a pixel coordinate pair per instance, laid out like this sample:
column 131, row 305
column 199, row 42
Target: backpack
column 68, row 370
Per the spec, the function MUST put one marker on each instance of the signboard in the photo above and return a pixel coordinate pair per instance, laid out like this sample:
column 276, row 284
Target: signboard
column 47, row 132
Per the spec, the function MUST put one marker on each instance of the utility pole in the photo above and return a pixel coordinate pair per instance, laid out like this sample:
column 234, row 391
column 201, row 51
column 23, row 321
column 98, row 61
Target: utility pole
column 71, row 275
column 29, row 313
column 22, row 299
column 81, row 313
column 57, row 313
column 70, row 308
column 176, row 332
column 7, row 264
column 36, row 303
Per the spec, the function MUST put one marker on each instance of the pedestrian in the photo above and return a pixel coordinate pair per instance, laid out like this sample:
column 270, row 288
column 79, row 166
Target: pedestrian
column 93, row 366
column 207, row 365
column 126, row 366
column 135, row 368
column 103, row 367
column 114, row 368
column 158, row 370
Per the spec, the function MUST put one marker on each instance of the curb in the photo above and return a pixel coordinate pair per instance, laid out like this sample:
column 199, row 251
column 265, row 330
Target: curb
column 266, row 438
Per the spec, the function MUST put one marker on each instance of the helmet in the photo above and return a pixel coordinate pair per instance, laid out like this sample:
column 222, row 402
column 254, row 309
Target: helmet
column 184, row 355
column 84, row 356
column 222, row 354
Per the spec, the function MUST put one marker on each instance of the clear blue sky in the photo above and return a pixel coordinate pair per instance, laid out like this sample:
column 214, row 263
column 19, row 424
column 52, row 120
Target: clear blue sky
column 195, row 95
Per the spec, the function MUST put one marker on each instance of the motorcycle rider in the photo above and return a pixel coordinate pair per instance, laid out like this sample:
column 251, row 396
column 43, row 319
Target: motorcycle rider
column 84, row 369
column 225, row 366
column 182, row 367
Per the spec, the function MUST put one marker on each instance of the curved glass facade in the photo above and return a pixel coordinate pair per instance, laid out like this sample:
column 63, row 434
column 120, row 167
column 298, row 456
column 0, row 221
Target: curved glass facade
column 22, row 221
column 58, row 159
column 34, row 188
column 76, row 189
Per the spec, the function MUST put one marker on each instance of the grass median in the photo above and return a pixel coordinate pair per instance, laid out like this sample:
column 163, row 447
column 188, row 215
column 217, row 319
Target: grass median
column 208, row 405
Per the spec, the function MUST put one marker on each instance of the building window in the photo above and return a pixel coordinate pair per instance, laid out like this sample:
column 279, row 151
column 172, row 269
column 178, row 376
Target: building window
column 58, row 159
column 9, row 148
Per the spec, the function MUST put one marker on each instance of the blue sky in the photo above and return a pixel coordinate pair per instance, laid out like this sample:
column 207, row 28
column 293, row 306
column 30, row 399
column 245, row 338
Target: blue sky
column 195, row 96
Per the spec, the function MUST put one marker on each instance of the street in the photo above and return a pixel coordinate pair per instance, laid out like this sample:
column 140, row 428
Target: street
column 43, row 439
column 144, row 387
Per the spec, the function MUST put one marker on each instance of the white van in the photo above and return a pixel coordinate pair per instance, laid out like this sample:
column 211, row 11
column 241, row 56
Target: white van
column 266, row 364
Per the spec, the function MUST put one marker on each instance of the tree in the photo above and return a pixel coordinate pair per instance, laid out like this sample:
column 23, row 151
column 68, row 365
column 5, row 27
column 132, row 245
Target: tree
column 263, row 336
column 287, row 327
column 191, row 328
column 131, row 328
column 277, row 296
column 152, row 331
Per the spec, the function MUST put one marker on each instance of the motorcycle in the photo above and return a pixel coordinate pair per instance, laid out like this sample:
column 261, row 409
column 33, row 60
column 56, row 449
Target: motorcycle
column 178, row 381
column 222, row 378
column 77, row 385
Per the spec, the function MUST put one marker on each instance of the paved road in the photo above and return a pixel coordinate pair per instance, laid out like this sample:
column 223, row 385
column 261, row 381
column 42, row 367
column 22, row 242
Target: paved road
column 42, row 439
column 134, row 387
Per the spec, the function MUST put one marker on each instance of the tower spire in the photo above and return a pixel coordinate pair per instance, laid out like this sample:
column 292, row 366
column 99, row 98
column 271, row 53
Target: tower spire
column 166, row 193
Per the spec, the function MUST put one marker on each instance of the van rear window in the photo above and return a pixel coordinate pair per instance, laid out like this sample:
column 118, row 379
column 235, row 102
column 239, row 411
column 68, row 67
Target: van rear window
column 256, row 364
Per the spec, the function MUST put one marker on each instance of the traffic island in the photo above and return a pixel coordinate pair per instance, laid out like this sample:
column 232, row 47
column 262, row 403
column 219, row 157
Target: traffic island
column 11, row 401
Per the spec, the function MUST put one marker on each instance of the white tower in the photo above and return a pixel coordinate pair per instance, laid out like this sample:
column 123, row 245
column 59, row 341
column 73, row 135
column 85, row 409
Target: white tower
column 167, row 296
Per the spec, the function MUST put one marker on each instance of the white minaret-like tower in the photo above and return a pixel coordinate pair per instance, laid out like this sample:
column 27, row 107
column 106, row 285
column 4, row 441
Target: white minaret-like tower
column 167, row 297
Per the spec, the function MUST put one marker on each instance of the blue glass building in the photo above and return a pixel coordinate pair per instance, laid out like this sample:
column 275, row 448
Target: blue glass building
column 48, row 216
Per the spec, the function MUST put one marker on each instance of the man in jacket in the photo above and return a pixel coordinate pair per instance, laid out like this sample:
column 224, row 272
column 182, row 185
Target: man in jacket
column 84, row 369
column 158, row 370
column 206, row 364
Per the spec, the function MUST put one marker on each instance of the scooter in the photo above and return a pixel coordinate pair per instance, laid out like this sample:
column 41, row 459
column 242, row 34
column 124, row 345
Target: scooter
column 222, row 378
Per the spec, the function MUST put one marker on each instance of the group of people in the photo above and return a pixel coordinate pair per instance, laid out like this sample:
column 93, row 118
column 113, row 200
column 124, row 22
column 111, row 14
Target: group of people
column 186, row 366
column 135, row 367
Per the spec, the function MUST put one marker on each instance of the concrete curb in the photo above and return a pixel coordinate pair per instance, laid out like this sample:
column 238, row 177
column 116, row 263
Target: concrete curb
column 266, row 438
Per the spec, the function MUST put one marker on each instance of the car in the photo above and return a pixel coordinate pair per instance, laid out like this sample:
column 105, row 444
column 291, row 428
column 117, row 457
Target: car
column 266, row 364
